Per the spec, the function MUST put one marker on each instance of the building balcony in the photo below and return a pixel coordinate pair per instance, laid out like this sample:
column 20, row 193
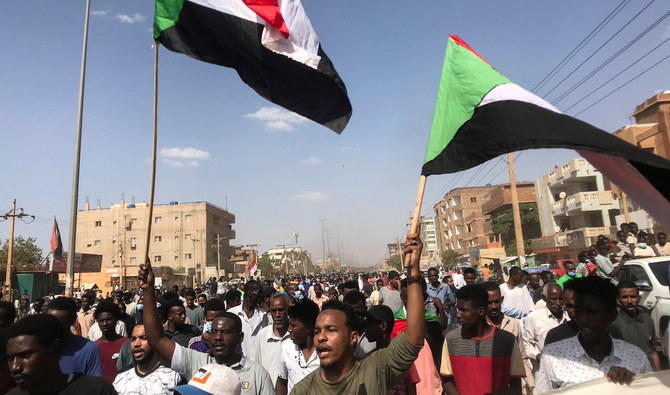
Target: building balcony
column 585, row 201
column 577, row 239
column 575, row 169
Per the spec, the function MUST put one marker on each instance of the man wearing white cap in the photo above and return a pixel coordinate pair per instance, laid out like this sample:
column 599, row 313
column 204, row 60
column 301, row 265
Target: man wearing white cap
column 212, row 379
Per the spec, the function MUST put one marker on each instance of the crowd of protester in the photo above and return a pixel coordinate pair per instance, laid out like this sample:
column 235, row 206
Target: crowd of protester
column 457, row 331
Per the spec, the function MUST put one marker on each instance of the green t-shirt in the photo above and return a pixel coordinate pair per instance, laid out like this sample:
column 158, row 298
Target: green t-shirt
column 375, row 374
column 565, row 278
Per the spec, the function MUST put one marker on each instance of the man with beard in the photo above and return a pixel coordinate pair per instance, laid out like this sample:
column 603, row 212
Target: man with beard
column 33, row 354
column 148, row 375
column 176, row 328
column 253, row 317
column 270, row 339
column 223, row 342
column 634, row 322
column 479, row 358
column 535, row 286
column 495, row 317
column 592, row 353
column 298, row 357
column 540, row 321
column 106, row 316
column 335, row 336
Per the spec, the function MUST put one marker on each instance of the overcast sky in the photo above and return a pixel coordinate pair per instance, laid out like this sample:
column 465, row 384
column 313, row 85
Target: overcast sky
column 282, row 174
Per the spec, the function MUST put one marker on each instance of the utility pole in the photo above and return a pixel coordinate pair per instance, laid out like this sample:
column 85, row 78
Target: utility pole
column 195, row 262
column 218, row 256
column 516, row 213
column 10, row 248
column 323, row 242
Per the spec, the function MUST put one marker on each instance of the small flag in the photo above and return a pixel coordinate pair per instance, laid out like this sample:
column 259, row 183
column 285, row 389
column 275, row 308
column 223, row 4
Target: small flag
column 252, row 267
column 481, row 114
column 270, row 43
column 56, row 244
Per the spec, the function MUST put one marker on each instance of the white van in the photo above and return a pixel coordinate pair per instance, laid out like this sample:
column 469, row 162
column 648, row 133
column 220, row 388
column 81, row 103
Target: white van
column 651, row 277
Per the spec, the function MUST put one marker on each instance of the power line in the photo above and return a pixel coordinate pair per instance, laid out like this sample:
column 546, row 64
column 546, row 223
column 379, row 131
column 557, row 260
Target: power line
column 581, row 44
column 618, row 74
column 611, row 58
column 624, row 84
column 599, row 48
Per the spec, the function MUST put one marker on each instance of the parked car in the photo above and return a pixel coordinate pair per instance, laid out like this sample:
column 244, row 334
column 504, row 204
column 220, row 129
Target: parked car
column 651, row 277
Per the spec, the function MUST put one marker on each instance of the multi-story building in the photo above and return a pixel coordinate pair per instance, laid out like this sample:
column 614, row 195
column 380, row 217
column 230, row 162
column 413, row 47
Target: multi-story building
column 183, row 237
column 651, row 132
column 575, row 205
column 428, row 236
column 460, row 221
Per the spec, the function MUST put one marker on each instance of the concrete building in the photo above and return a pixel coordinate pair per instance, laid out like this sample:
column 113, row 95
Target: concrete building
column 460, row 221
column 283, row 257
column 575, row 205
column 428, row 236
column 183, row 238
column 650, row 131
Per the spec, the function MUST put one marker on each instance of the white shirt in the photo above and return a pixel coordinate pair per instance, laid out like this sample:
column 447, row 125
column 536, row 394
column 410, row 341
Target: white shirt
column 94, row 333
column 158, row 382
column 268, row 350
column 663, row 250
column 535, row 328
column 566, row 363
column 292, row 365
column 459, row 280
column 517, row 297
column 251, row 326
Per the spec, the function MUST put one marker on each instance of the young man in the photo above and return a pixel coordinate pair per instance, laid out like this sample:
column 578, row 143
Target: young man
column 440, row 291
column 390, row 294
column 605, row 269
column 375, row 295
column 176, row 328
column 635, row 323
column 319, row 297
column 33, row 357
column 223, row 343
column 212, row 308
column 78, row 355
column 469, row 275
column 233, row 298
column 535, row 286
column 253, row 317
column 592, row 353
column 298, row 357
column 540, row 321
column 336, row 338
column 644, row 248
column 469, row 352
column 270, row 339
column 194, row 313
column 570, row 273
column 85, row 315
column 148, row 375
column 663, row 247
column 106, row 316
column 515, row 293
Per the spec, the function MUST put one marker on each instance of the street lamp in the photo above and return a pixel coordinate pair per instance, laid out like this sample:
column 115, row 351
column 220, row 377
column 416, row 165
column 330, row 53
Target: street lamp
column 195, row 264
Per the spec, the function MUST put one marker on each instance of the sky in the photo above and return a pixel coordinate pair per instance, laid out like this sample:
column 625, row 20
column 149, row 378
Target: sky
column 221, row 142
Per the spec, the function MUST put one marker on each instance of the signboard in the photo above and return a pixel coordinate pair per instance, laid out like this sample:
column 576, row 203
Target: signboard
column 83, row 263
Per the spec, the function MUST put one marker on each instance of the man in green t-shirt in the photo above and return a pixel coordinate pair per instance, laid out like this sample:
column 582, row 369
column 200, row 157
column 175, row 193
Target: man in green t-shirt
column 335, row 337
column 570, row 273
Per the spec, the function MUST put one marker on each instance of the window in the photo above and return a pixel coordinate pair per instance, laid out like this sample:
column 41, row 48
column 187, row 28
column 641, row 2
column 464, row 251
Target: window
column 113, row 241
column 176, row 237
column 158, row 220
column 98, row 224
column 133, row 221
column 96, row 243
column 89, row 245
column 634, row 273
column 133, row 243
column 132, row 260
column 157, row 258
column 469, row 228
column 176, row 257
column 187, row 236
column 187, row 217
column 187, row 256
column 176, row 218
column 114, row 223
column 158, row 239
column 473, row 199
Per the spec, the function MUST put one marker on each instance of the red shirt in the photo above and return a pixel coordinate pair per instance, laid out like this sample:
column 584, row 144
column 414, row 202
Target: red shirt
column 109, row 354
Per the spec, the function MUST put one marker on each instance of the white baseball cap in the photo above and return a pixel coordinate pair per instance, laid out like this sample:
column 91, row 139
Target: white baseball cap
column 212, row 379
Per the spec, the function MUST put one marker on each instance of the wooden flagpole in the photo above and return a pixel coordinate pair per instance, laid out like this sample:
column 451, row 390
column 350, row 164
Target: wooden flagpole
column 416, row 216
column 154, row 144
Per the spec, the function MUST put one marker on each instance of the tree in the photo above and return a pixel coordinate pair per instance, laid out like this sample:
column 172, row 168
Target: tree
column 265, row 264
column 503, row 224
column 394, row 262
column 25, row 252
column 450, row 257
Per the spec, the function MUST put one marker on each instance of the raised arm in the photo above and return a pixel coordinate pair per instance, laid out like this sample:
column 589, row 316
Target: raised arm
column 152, row 325
column 415, row 314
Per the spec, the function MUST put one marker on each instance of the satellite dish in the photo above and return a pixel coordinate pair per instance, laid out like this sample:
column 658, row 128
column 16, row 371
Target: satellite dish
column 562, row 195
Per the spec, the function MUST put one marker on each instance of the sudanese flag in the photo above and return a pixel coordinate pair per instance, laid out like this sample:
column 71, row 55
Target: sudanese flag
column 271, row 44
column 481, row 114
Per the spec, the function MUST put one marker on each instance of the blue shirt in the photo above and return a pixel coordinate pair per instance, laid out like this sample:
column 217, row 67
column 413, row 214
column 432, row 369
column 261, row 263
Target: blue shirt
column 440, row 292
column 80, row 355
